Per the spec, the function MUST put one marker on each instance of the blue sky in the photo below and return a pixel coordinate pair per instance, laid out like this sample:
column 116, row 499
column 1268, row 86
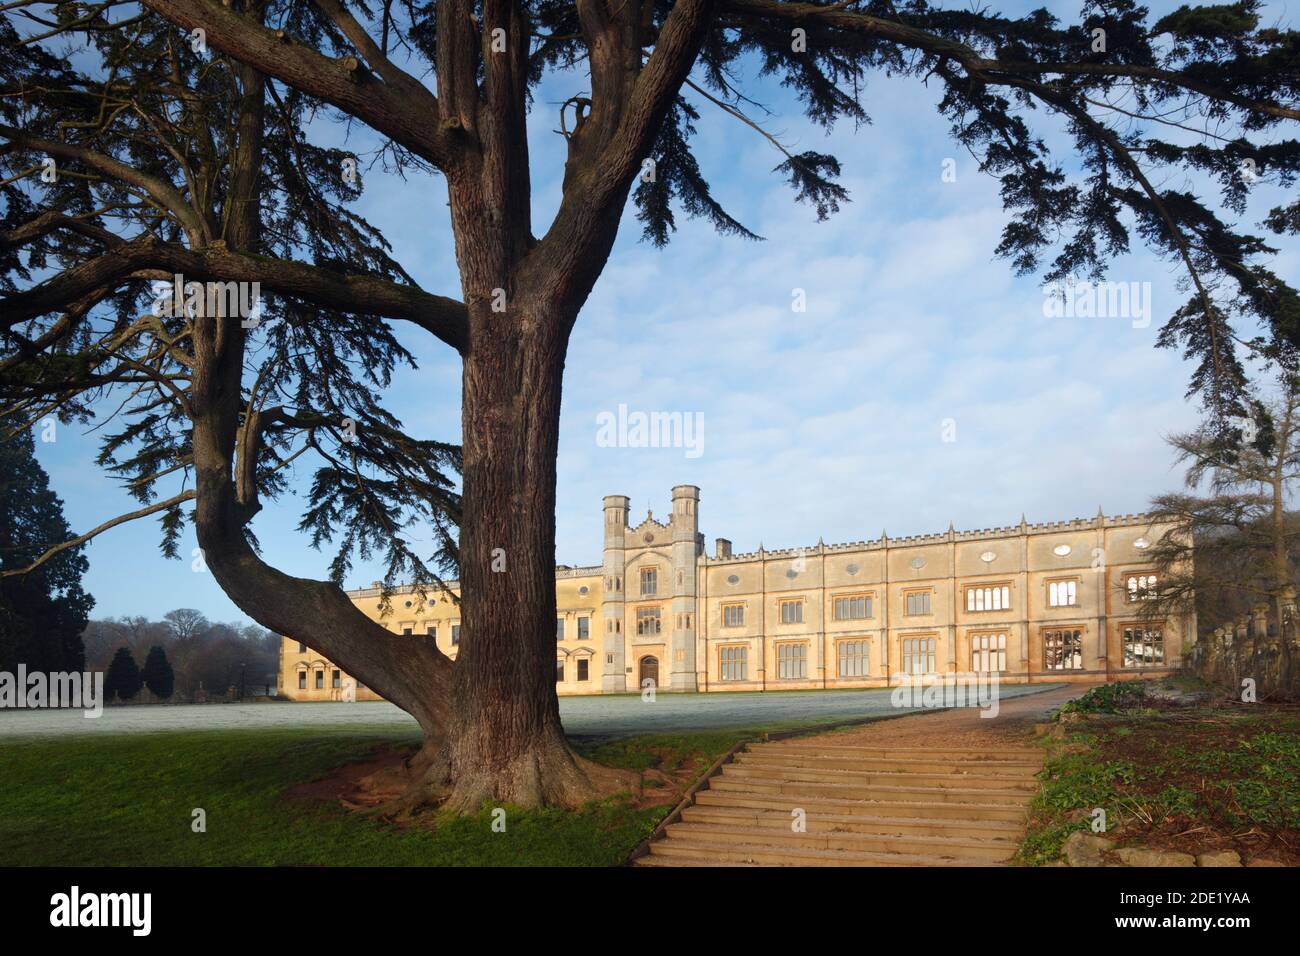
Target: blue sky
column 826, row 423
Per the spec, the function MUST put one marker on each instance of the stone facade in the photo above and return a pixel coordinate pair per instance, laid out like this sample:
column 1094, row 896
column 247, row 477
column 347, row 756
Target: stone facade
column 1038, row 602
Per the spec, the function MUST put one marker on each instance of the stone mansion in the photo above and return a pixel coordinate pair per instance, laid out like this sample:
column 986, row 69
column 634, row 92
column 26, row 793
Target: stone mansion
column 1037, row 602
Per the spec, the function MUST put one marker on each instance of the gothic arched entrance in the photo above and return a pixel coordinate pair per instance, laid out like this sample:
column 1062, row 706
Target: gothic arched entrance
column 649, row 668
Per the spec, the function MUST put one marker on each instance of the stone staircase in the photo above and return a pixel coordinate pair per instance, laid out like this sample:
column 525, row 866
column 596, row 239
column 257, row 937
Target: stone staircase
column 862, row 806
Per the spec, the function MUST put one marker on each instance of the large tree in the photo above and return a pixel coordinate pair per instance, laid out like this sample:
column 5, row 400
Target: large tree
column 176, row 161
column 42, row 614
column 1236, row 548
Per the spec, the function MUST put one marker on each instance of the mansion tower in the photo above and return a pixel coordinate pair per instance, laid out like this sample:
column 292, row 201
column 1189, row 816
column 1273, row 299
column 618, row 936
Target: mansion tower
column 1049, row 602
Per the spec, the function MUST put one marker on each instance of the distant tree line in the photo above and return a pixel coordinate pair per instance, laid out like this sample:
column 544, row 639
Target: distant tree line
column 176, row 657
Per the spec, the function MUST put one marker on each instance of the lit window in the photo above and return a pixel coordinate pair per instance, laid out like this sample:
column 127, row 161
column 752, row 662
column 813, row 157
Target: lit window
column 1063, row 649
column 649, row 580
column 1144, row 646
column 996, row 598
column 731, row 662
column 792, row 661
column 1063, row 593
column 918, row 602
column 647, row 620
column 733, row 615
column 1141, row 587
column 852, row 607
column 792, row 612
column 853, row 658
column 988, row 652
column 918, row 654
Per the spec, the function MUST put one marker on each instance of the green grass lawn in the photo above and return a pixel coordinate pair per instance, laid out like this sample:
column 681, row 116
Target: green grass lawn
column 127, row 799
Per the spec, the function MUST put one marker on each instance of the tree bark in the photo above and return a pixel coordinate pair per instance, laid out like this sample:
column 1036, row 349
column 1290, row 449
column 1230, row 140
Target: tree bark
column 505, row 742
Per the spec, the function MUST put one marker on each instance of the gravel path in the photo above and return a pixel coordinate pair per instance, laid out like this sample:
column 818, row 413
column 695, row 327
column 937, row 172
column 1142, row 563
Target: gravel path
column 596, row 716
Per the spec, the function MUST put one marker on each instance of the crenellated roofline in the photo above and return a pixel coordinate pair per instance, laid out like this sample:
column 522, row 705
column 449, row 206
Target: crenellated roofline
column 984, row 534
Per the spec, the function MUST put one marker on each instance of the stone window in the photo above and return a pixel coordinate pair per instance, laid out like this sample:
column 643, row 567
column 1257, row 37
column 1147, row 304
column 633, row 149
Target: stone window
column 431, row 632
column 792, row 612
column 1144, row 645
column 583, row 669
column 302, row 680
column 559, row 671
column 852, row 658
column 918, row 654
column 335, row 680
column 649, row 580
column 320, row 680
column 852, row 607
column 996, row 597
column 302, row 648
column 1063, row 649
column 1141, row 587
column 988, row 652
column 918, row 602
column 732, row 662
column 559, row 628
column 455, row 634
column 792, row 661
column 584, row 628
column 1063, row 593
column 647, row 620
column 733, row 615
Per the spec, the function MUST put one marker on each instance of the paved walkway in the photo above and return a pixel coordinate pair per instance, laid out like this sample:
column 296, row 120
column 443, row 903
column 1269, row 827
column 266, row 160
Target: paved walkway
column 620, row 715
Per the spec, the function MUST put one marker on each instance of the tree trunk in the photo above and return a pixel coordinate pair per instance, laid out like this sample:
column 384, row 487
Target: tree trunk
column 504, row 739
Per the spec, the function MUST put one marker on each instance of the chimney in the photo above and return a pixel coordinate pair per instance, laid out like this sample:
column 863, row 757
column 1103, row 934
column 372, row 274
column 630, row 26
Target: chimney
column 721, row 548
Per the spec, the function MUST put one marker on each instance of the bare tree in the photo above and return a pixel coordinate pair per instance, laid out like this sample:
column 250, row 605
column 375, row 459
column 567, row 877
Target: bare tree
column 1239, row 545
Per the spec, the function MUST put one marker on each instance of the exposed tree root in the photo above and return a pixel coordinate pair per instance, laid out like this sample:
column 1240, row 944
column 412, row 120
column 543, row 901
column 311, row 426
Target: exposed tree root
column 551, row 775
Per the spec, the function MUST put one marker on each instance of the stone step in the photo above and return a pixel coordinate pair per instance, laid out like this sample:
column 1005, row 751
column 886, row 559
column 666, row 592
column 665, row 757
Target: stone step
column 963, row 848
column 862, row 808
column 658, row 859
column 888, row 778
column 921, row 753
column 676, row 853
column 1005, row 768
column 864, row 791
column 817, row 820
